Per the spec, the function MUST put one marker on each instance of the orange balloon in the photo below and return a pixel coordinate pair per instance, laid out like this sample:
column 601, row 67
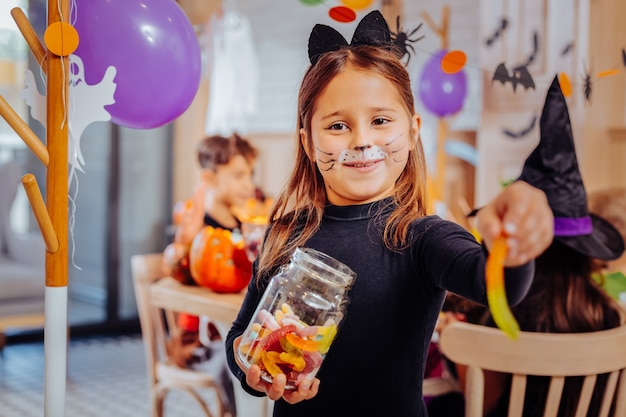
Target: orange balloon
column 453, row 62
column 61, row 38
column 357, row 4
column 566, row 84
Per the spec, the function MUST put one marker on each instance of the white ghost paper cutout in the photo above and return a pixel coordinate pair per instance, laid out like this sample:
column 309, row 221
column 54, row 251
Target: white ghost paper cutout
column 86, row 104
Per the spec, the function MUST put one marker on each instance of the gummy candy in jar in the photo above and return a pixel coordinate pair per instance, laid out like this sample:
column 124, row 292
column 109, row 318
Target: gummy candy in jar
column 298, row 317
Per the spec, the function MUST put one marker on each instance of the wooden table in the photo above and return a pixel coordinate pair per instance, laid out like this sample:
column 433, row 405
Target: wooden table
column 197, row 300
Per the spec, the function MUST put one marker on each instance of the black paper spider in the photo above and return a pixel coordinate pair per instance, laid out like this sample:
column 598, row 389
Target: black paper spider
column 403, row 40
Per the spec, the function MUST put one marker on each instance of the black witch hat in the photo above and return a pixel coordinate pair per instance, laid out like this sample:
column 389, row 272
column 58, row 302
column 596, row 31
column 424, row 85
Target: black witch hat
column 552, row 167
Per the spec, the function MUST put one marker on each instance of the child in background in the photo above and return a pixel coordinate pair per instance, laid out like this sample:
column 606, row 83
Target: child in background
column 357, row 193
column 226, row 182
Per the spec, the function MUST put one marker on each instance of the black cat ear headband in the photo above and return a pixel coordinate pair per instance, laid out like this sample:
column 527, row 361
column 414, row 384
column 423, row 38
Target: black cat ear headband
column 372, row 30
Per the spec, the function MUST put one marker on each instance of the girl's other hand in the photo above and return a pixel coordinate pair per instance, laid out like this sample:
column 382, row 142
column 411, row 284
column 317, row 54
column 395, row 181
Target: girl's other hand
column 306, row 390
column 521, row 212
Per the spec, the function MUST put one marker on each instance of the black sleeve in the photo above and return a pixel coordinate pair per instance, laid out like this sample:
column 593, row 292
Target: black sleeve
column 453, row 260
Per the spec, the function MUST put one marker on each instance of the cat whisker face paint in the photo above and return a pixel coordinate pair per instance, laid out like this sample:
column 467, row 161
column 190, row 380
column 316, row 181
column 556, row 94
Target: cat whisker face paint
column 360, row 156
column 326, row 162
column 395, row 149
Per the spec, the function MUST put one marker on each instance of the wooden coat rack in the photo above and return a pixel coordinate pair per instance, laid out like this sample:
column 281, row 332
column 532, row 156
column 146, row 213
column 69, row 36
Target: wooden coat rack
column 439, row 184
column 51, row 216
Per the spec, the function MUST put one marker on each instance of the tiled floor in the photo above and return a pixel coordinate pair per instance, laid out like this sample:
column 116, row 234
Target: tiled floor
column 106, row 378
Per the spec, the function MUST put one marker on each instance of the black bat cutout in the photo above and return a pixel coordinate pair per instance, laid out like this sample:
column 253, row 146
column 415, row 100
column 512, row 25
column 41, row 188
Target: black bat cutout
column 568, row 48
column 533, row 54
column 523, row 132
column 519, row 75
column 504, row 23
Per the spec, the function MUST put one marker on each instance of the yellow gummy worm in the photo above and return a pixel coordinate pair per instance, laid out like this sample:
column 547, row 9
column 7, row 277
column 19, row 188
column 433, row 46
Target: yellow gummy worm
column 496, row 296
column 269, row 361
column 303, row 344
column 296, row 361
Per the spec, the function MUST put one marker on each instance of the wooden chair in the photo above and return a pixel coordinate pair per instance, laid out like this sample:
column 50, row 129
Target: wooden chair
column 544, row 354
column 157, row 316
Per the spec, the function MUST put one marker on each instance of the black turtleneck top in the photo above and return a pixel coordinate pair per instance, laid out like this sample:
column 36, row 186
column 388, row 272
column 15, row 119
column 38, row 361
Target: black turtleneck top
column 375, row 366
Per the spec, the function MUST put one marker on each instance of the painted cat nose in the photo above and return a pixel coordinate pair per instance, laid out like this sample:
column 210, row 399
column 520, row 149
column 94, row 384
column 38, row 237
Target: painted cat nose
column 362, row 148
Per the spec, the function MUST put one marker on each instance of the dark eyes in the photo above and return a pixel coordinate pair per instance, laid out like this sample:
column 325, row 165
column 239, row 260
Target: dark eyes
column 337, row 126
column 379, row 121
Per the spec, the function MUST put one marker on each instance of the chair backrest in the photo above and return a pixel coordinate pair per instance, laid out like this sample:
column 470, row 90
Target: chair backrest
column 146, row 269
column 553, row 355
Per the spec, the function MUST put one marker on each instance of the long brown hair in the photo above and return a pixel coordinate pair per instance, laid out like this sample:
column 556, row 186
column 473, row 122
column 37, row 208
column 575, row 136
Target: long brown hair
column 298, row 211
column 564, row 298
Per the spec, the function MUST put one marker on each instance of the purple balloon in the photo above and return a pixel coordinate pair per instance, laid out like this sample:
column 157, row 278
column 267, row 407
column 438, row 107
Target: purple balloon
column 441, row 93
column 156, row 53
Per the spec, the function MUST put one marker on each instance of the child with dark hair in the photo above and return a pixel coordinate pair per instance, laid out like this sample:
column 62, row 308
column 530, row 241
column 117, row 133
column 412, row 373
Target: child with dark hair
column 226, row 182
column 358, row 193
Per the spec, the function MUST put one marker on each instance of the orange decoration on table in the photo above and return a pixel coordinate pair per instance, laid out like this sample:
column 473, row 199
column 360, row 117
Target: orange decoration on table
column 254, row 211
column 218, row 263
column 61, row 38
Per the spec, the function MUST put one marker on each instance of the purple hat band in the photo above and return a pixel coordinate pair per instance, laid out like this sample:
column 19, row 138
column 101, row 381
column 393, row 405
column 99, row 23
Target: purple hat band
column 572, row 226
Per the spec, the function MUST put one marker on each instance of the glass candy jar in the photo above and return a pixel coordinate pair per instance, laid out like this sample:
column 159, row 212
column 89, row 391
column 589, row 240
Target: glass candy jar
column 298, row 317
